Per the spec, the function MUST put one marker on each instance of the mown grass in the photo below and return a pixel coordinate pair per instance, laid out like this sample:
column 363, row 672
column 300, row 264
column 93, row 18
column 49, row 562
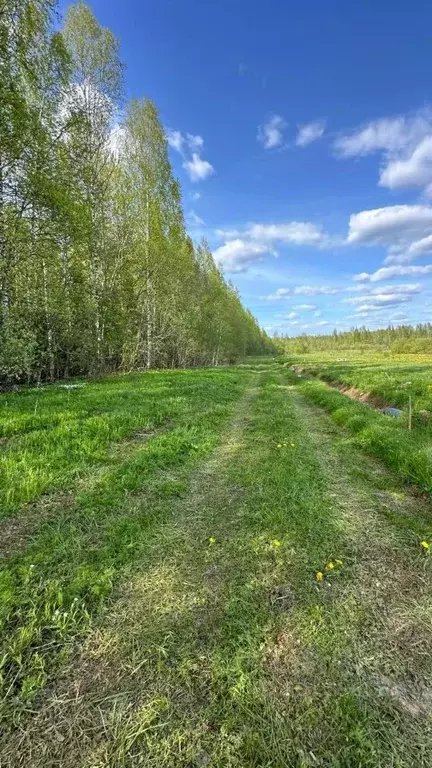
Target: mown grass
column 51, row 588
column 222, row 648
column 51, row 435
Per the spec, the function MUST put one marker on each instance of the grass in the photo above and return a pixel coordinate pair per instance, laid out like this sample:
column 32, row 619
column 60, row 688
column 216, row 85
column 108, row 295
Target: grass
column 196, row 631
column 407, row 453
column 50, row 588
column 392, row 381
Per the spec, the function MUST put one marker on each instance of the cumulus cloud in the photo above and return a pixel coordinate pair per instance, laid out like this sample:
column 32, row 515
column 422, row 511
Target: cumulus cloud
column 281, row 293
column 316, row 290
column 386, row 273
column 268, row 236
column 175, row 140
column 237, row 255
column 310, row 132
column 294, row 232
column 194, row 142
column 376, row 299
column 188, row 147
column 270, row 134
column 395, row 224
column 415, row 170
column 305, row 307
column 197, row 168
column 292, row 315
column 405, row 144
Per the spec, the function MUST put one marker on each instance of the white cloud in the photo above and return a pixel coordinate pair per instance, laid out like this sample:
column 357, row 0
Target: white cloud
column 385, row 134
column 295, row 232
column 386, row 296
column 175, row 140
column 281, row 293
column 405, row 144
column 305, row 307
column 197, row 168
column 310, row 132
column 292, row 315
column 396, row 224
column 194, row 220
column 237, row 255
column 266, row 236
column 316, row 290
column 413, row 171
column 194, row 142
column 270, row 134
column 417, row 249
column 386, row 273
column 196, row 195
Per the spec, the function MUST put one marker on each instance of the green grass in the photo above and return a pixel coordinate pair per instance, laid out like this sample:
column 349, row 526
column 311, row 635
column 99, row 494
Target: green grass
column 52, row 435
column 50, row 588
column 196, row 632
column 407, row 453
column 392, row 380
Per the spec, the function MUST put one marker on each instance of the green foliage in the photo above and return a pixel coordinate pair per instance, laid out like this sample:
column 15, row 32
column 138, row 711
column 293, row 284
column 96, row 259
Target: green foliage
column 97, row 271
column 405, row 339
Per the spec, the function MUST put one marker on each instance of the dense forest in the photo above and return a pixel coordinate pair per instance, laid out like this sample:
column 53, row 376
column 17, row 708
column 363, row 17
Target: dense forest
column 97, row 271
column 415, row 339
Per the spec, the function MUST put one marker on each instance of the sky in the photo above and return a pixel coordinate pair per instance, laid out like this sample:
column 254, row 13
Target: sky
column 301, row 133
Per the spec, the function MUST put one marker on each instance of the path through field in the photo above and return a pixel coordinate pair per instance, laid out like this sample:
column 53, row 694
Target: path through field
column 220, row 647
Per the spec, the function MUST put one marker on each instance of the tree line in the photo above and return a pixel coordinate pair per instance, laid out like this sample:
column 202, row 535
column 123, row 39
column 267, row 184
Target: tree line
column 415, row 339
column 97, row 271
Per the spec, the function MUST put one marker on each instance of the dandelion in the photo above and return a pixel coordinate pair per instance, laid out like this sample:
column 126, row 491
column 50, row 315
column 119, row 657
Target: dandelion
column 319, row 576
column 330, row 566
column 425, row 545
column 276, row 543
column 212, row 540
column 279, row 445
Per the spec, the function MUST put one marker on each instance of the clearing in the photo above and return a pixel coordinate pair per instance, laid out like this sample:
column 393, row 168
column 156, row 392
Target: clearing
column 201, row 568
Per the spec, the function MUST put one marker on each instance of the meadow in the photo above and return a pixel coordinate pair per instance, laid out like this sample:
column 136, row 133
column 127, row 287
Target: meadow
column 210, row 568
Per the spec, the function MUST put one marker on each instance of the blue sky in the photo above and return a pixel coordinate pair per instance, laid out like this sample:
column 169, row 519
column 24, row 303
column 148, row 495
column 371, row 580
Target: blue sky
column 302, row 136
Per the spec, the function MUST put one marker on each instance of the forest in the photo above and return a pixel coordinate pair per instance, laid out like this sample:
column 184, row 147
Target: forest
column 97, row 270
column 413, row 339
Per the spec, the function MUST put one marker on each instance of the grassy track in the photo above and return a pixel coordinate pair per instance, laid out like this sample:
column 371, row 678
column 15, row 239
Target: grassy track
column 219, row 646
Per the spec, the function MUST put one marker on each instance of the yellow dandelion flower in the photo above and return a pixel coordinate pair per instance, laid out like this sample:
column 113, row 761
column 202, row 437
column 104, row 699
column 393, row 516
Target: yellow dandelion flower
column 319, row 576
column 425, row 545
column 331, row 566
column 276, row 543
column 212, row 540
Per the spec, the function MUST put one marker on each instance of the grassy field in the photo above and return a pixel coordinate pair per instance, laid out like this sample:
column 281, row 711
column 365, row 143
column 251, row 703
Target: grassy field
column 391, row 380
column 202, row 568
column 380, row 383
